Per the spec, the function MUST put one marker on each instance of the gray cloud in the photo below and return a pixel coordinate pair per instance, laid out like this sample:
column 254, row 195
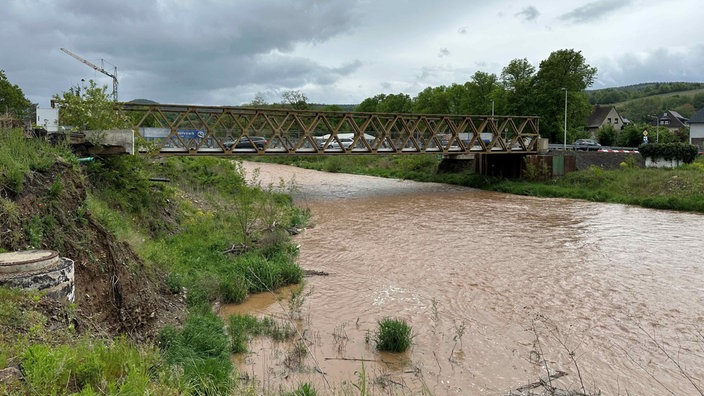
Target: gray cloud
column 226, row 51
column 178, row 50
column 661, row 66
column 529, row 13
column 594, row 10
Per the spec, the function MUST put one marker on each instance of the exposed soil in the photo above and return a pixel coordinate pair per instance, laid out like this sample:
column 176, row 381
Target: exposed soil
column 115, row 293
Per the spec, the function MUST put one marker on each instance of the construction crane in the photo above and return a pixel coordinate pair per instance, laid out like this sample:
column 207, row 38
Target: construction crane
column 100, row 69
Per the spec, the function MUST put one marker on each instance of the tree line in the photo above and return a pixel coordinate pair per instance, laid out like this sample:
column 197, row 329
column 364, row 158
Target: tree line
column 521, row 89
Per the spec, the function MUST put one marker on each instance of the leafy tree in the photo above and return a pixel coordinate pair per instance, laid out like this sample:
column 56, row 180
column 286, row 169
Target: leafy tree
column 399, row 103
column 258, row 101
column 12, row 99
column 482, row 90
column 433, row 101
column 89, row 108
column 518, row 81
column 294, row 99
column 369, row 105
column 393, row 103
column 563, row 70
column 606, row 135
column 631, row 135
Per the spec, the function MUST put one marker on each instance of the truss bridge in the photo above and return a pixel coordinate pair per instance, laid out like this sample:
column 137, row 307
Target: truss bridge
column 236, row 131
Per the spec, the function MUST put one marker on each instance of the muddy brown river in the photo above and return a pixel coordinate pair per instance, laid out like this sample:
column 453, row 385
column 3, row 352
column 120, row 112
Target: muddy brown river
column 499, row 289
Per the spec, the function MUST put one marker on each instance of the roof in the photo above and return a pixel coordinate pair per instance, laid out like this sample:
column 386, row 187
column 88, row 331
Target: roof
column 676, row 120
column 598, row 116
column 698, row 117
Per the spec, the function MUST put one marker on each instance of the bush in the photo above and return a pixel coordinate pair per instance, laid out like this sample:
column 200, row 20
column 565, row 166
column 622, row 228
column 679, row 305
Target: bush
column 393, row 335
column 670, row 151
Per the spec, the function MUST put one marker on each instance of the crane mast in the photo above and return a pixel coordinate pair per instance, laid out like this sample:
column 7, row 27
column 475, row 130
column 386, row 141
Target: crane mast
column 98, row 68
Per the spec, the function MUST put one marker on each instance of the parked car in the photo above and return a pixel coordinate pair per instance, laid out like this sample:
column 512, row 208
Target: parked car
column 586, row 144
column 251, row 142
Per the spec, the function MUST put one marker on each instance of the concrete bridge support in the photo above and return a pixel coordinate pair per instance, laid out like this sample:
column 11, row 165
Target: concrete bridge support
column 501, row 165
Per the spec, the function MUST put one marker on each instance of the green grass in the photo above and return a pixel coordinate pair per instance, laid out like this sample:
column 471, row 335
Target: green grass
column 673, row 189
column 243, row 327
column 92, row 366
column 200, row 350
column 19, row 156
column 393, row 335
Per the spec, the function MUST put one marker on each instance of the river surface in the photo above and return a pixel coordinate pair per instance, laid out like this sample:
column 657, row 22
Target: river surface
column 498, row 289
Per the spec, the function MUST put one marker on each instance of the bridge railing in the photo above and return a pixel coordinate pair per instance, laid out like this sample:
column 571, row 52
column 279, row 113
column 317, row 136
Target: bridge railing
column 204, row 130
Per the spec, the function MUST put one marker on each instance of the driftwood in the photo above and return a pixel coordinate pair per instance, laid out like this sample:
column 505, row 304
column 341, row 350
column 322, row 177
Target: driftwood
column 237, row 248
column 351, row 359
column 541, row 382
column 315, row 273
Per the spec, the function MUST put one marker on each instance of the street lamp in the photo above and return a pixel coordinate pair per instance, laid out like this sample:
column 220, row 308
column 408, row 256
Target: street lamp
column 564, row 142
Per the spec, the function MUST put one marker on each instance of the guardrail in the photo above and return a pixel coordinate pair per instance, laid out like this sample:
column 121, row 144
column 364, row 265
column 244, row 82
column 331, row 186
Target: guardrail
column 572, row 147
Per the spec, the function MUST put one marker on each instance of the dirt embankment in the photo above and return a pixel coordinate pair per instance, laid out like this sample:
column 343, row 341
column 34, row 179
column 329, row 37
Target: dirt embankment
column 115, row 293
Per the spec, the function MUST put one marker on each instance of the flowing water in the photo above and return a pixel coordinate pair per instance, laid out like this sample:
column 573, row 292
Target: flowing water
column 497, row 288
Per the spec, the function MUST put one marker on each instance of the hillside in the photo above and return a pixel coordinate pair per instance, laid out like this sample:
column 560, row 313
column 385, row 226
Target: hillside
column 639, row 102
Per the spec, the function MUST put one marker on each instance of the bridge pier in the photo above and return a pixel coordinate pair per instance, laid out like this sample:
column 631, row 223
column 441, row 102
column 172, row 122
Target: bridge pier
column 509, row 166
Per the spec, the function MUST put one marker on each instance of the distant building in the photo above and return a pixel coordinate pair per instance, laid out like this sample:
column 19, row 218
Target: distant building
column 672, row 120
column 696, row 129
column 603, row 116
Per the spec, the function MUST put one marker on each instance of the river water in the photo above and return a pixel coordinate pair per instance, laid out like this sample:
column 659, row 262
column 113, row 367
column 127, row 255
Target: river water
column 499, row 289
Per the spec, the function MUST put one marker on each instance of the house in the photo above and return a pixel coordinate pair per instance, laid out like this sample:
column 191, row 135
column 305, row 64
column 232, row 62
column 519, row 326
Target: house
column 603, row 116
column 672, row 120
column 696, row 130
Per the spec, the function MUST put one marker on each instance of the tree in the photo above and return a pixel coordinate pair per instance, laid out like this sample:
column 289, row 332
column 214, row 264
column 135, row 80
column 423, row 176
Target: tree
column 432, row 101
column 482, row 91
column 518, row 80
column 12, row 99
column 258, row 101
column 631, row 135
column 294, row 99
column 606, row 135
column 392, row 103
column 89, row 108
column 563, row 70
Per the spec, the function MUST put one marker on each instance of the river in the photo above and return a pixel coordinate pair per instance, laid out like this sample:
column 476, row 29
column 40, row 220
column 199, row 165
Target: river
column 498, row 288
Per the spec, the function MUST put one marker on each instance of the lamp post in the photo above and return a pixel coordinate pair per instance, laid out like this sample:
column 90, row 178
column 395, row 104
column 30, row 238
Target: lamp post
column 564, row 142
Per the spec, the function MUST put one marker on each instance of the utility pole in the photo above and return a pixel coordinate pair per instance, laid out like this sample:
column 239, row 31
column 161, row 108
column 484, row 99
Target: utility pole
column 97, row 68
column 564, row 142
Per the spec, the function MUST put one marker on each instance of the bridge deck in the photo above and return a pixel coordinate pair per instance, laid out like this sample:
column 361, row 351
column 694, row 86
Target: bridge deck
column 222, row 131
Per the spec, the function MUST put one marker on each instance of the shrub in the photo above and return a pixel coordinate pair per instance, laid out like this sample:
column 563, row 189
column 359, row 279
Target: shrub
column 669, row 151
column 393, row 335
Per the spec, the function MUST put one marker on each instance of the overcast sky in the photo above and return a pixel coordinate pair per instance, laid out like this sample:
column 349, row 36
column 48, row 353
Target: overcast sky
column 226, row 52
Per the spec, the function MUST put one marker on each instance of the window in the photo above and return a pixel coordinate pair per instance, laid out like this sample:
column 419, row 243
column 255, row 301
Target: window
column 609, row 120
column 615, row 120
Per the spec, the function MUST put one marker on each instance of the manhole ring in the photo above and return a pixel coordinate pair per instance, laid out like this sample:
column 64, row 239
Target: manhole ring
column 27, row 260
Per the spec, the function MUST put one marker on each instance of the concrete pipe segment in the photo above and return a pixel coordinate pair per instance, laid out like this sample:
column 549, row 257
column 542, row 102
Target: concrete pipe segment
column 41, row 270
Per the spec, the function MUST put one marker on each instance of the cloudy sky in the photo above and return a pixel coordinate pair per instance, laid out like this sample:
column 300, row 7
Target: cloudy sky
column 227, row 52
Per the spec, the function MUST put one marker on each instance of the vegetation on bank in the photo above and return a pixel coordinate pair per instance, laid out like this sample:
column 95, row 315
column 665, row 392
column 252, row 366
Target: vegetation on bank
column 674, row 189
column 202, row 228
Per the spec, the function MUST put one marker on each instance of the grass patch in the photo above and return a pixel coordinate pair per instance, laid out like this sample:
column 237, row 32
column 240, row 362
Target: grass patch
column 243, row 327
column 92, row 367
column 19, row 156
column 393, row 335
column 201, row 351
